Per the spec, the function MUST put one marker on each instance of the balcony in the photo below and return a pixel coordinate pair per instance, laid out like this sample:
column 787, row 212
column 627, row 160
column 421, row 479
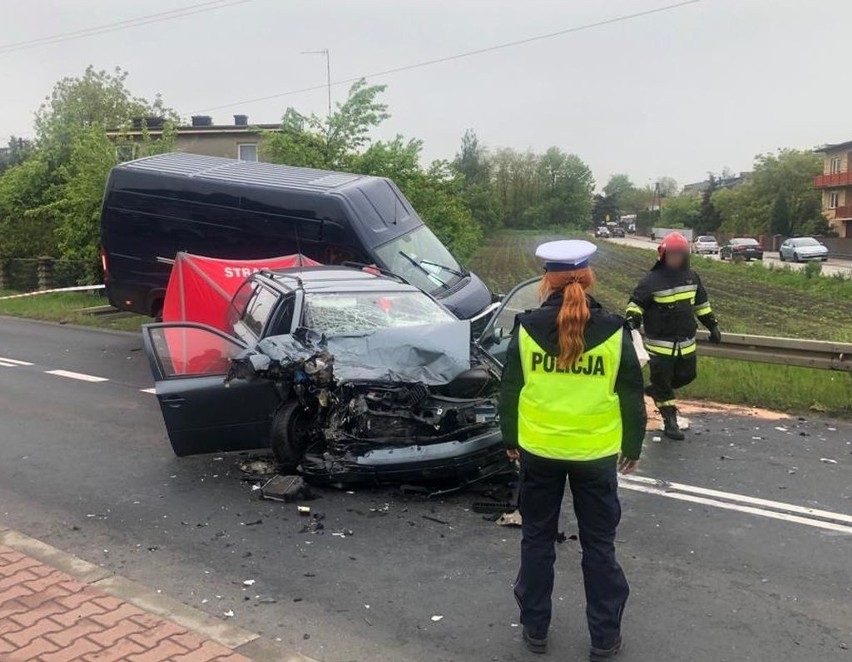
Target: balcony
column 834, row 180
column 844, row 211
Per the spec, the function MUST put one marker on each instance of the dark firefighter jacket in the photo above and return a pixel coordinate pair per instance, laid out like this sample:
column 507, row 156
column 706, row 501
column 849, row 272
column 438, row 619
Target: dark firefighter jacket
column 540, row 325
column 669, row 300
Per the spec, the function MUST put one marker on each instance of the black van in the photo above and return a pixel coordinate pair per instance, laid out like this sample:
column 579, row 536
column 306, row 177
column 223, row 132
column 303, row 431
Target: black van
column 159, row 205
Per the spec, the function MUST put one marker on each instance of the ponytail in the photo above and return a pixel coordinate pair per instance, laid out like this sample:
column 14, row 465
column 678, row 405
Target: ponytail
column 574, row 312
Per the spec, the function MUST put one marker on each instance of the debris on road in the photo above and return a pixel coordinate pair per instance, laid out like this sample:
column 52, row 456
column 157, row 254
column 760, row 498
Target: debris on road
column 304, row 511
column 434, row 519
column 510, row 519
column 437, row 618
column 249, row 582
column 314, row 525
column 229, row 613
column 258, row 467
column 827, row 460
column 286, row 489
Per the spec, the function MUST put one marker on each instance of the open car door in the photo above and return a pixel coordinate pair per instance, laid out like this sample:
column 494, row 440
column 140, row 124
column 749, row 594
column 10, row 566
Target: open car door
column 203, row 415
column 497, row 333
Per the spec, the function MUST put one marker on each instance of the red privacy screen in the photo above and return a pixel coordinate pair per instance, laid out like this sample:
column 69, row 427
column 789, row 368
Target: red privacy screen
column 200, row 288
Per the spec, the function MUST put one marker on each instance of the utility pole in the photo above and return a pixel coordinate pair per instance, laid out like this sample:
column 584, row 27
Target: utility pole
column 327, row 55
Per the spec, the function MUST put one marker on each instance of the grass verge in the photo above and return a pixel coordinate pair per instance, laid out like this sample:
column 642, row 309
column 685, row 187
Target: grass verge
column 758, row 301
column 64, row 308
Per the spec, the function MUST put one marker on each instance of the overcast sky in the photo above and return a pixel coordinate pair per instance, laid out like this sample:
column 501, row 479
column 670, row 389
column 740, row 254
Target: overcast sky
column 677, row 93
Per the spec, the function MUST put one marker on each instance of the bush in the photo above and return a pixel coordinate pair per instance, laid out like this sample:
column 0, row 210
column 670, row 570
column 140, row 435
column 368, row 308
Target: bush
column 813, row 269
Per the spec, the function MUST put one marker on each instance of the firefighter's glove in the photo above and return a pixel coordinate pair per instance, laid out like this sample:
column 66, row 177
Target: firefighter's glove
column 715, row 334
column 634, row 320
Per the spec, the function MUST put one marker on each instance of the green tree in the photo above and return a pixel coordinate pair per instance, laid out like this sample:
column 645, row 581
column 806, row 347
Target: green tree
column 617, row 185
column 343, row 141
column 472, row 164
column 748, row 208
column 667, row 187
column 681, row 212
column 17, row 151
column 49, row 204
column 709, row 219
column 779, row 217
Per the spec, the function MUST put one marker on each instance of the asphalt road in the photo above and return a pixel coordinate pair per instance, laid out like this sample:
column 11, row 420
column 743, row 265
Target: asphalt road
column 85, row 466
column 831, row 267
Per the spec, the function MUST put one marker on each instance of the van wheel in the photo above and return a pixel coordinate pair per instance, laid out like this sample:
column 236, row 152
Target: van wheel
column 291, row 434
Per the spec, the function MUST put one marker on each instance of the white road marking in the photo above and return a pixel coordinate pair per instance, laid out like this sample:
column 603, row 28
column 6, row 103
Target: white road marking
column 653, row 487
column 9, row 365
column 742, row 498
column 149, row 390
column 13, row 361
column 76, row 375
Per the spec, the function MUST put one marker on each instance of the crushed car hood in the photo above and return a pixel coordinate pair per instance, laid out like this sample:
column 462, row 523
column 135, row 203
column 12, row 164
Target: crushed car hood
column 432, row 354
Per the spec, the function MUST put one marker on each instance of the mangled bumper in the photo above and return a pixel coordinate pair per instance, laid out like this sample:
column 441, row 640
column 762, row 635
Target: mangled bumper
column 466, row 461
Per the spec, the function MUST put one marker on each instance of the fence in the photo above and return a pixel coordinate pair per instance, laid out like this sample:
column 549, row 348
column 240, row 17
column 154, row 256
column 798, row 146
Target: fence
column 826, row 355
column 44, row 273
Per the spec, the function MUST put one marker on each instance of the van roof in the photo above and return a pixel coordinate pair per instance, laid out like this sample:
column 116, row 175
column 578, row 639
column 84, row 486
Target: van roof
column 214, row 168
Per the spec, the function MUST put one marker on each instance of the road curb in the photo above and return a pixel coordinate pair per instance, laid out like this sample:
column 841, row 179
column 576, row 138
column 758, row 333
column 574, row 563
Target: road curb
column 242, row 641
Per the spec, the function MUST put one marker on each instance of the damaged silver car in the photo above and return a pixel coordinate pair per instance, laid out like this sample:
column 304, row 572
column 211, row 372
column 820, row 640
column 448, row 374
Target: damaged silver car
column 348, row 375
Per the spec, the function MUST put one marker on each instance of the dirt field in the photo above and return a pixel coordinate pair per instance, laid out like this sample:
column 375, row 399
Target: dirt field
column 743, row 304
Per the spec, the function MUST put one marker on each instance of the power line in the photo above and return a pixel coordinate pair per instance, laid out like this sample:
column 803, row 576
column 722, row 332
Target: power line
column 190, row 10
column 458, row 56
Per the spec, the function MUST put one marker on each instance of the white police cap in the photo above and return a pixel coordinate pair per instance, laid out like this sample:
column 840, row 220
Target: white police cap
column 566, row 254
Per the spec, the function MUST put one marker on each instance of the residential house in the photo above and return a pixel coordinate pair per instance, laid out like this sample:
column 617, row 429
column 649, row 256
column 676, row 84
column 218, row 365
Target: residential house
column 836, row 186
column 239, row 140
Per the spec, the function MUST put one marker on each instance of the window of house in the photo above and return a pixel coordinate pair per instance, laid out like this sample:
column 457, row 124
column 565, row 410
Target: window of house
column 833, row 199
column 835, row 165
column 247, row 152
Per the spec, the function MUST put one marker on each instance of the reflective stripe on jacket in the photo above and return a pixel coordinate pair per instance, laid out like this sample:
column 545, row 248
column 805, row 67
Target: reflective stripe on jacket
column 571, row 413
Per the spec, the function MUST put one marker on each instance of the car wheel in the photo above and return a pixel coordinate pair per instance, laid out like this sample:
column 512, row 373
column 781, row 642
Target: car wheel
column 780, row 256
column 291, row 433
column 796, row 257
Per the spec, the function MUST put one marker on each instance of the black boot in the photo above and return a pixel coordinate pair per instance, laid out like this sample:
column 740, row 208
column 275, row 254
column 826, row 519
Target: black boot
column 604, row 654
column 670, row 428
column 536, row 645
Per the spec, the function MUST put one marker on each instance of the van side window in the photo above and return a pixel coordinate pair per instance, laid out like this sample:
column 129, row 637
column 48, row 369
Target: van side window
column 259, row 309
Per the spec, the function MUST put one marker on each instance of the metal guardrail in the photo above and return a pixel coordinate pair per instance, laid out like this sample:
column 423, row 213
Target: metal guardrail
column 825, row 355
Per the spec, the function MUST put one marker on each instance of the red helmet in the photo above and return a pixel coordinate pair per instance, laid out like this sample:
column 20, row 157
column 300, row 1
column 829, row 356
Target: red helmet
column 674, row 242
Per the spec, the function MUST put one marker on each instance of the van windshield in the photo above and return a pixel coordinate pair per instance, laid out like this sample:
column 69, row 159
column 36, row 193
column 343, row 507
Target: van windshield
column 421, row 258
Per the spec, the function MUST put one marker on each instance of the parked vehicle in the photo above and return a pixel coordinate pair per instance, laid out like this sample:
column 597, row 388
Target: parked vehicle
column 617, row 231
column 348, row 374
column 223, row 208
column 798, row 249
column 744, row 248
column 602, row 232
column 704, row 245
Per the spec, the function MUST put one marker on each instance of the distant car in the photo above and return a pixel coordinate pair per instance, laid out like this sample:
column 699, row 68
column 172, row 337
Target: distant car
column 799, row 249
column 602, row 232
column 744, row 248
column 618, row 231
column 705, row 244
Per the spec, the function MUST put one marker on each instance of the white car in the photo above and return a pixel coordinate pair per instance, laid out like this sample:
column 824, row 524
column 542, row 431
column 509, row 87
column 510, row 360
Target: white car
column 705, row 245
column 798, row 249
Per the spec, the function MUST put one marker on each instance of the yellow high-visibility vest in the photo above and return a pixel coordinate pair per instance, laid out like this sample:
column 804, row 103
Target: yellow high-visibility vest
column 571, row 413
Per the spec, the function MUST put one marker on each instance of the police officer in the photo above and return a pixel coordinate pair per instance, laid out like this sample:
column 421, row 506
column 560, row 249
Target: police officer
column 668, row 299
column 571, row 405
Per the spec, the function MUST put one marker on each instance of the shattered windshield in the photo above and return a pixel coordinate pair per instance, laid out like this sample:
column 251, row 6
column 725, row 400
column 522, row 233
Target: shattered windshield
column 351, row 312
column 422, row 260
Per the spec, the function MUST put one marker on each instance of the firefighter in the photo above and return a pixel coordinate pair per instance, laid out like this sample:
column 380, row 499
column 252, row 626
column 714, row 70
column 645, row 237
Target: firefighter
column 571, row 406
column 668, row 299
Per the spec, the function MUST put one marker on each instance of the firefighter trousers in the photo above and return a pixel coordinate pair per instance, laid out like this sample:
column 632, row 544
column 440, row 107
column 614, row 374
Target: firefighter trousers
column 669, row 372
column 594, row 489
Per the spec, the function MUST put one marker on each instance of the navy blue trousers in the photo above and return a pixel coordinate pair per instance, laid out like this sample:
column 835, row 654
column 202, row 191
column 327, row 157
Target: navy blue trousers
column 594, row 488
